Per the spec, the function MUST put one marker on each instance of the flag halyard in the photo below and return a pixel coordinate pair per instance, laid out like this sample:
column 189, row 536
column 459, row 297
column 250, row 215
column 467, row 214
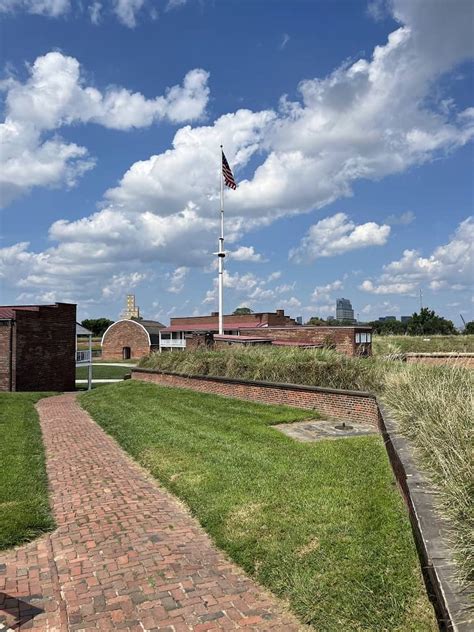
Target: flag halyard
column 229, row 179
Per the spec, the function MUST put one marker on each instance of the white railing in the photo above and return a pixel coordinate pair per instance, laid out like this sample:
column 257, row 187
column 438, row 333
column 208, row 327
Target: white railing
column 83, row 357
column 164, row 342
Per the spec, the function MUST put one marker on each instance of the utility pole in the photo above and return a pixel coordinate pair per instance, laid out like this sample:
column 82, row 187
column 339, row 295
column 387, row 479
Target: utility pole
column 421, row 299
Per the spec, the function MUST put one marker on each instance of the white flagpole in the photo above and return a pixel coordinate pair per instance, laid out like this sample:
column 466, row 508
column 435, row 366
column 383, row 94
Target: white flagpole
column 221, row 255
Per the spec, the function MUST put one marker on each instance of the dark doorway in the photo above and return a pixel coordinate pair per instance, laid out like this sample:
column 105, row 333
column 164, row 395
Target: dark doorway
column 126, row 353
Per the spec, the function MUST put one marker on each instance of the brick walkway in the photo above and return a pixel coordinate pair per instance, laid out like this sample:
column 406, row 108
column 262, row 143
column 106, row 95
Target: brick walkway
column 126, row 555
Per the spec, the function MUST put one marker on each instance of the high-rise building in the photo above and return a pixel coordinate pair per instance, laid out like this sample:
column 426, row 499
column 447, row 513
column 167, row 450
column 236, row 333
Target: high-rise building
column 344, row 310
column 131, row 310
column 405, row 319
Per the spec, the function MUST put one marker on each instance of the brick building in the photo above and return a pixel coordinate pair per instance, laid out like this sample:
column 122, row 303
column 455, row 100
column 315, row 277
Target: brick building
column 263, row 328
column 130, row 339
column 38, row 347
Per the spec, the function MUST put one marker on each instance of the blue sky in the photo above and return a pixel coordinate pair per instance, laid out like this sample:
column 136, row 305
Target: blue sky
column 348, row 124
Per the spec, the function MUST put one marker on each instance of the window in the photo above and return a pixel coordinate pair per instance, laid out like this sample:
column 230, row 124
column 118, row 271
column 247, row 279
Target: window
column 362, row 338
column 357, row 339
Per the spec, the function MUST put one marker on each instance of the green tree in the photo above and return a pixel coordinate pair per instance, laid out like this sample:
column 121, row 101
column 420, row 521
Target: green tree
column 97, row 325
column 469, row 328
column 242, row 311
column 427, row 322
column 316, row 320
column 388, row 327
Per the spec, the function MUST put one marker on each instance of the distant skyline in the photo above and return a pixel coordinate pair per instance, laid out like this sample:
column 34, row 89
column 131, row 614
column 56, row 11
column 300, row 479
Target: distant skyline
column 348, row 126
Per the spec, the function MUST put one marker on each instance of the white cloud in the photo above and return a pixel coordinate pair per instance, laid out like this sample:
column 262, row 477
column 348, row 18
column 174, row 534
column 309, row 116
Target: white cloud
column 388, row 288
column 175, row 4
column 367, row 119
column 322, row 293
column 386, row 308
column 55, row 95
column 50, row 8
column 121, row 283
column 95, row 12
column 336, row 235
column 245, row 253
column 403, row 219
column 284, row 41
column 450, row 266
column 126, row 11
column 176, row 280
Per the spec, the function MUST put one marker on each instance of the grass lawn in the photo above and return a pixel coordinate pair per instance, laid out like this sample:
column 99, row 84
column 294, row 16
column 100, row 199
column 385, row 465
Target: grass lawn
column 24, row 506
column 322, row 525
column 102, row 372
column 422, row 344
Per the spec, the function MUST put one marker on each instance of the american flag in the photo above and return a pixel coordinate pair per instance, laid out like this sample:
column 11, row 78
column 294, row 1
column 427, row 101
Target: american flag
column 227, row 173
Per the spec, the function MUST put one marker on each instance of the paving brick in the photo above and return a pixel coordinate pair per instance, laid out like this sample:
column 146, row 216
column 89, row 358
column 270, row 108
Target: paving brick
column 125, row 555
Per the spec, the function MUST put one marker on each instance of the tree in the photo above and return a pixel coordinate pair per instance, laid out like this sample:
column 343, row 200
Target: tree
column 97, row 325
column 316, row 321
column 388, row 327
column 240, row 311
column 469, row 328
column 427, row 322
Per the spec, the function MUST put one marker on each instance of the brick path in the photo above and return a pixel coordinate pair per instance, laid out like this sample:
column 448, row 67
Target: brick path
column 125, row 555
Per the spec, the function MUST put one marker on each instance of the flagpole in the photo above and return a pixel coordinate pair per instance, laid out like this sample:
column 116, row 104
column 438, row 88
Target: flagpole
column 221, row 255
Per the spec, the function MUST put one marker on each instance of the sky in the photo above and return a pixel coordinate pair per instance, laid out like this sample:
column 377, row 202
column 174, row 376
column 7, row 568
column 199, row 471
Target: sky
column 348, row 125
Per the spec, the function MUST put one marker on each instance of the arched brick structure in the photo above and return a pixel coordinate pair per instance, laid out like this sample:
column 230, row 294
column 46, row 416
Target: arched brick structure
column 130, row 339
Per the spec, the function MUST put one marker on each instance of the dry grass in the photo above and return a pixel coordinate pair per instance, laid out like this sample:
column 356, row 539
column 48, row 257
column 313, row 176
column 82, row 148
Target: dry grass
column 434, row 408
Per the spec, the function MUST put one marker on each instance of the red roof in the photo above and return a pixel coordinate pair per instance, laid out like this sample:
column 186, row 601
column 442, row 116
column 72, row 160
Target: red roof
column 8, row 311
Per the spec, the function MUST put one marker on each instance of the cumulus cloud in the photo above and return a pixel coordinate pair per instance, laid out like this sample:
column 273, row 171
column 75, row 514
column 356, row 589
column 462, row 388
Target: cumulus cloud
column 367, row 119
column 120, row 283
column 55, row 95
column 251, row 288
column 245, row 253
column 450, row 266
column 322, row 293
column 336, row 235
column 388, row 288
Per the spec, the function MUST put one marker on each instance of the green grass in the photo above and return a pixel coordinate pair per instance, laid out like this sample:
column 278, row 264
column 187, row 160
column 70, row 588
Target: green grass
column 383, row 345
column 102, row 372
column 423, row 399
column 24, row 506
column 322, row 525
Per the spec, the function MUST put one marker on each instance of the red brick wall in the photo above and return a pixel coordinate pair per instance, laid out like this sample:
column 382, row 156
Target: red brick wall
column 342, row 337
column 277, row 319
column 6, row 357
column 45, row 348
column 125, row 333
column 343, row 405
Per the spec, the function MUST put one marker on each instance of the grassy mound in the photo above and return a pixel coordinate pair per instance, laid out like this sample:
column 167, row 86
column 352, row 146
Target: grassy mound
column 432, row 403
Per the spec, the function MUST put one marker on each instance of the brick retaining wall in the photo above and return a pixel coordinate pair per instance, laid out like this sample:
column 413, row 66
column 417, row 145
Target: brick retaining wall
column 465, row 360
column 356, row 406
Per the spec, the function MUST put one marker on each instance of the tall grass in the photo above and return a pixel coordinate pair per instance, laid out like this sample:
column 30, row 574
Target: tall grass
column 432, row 404
column 384, row 345
column 434, row 409
column 316, row 367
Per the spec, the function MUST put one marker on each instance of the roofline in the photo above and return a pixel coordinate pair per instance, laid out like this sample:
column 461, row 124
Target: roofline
column 125, row 320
